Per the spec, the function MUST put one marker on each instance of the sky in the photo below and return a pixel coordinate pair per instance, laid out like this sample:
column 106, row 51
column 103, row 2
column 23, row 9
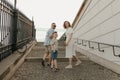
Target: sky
column 44, row 12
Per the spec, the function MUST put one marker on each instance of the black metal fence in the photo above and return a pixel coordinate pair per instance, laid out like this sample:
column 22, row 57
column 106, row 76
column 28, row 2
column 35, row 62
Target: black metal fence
column 16, row 30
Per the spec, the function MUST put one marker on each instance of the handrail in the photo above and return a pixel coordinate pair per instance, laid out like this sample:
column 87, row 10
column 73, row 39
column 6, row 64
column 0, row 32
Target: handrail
column 24, row 40
column 98, row 43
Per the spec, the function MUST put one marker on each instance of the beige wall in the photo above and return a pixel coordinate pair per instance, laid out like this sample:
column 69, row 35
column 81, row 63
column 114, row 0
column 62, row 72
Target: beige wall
column 100, row 22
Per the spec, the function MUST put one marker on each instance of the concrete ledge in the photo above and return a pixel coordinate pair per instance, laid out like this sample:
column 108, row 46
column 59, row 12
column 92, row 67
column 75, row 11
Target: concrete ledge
column 99, row 60
column 12, row 63
column 6, row 64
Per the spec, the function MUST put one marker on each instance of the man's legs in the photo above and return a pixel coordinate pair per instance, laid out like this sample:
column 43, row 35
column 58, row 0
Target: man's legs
column 49, row 56
column 48, row 53
column 49, row 59
column 43, row 61
column 45, row 55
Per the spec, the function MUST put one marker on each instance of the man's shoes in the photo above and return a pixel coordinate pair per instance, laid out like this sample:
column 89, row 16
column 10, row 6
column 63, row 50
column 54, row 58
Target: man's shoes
column 48, row 65
column 43, row 63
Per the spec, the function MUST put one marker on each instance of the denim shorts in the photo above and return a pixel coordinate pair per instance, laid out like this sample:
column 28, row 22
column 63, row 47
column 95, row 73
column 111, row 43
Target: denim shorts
column 54, row 54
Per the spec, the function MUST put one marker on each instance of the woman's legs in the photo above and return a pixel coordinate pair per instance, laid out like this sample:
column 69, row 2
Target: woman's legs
column 78, row 60
column 70, row 63
column 76, row 57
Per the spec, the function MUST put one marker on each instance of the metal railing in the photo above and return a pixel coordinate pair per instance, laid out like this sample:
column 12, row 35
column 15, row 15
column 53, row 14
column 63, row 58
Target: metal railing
column 88, row 43
column 16, row 30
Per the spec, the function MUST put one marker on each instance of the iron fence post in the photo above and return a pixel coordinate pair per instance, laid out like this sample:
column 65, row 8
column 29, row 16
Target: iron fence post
column 33, row 30
column 14, row 30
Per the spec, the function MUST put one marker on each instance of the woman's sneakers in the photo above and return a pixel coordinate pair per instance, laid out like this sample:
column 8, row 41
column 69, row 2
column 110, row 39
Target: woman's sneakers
column 68, row 67
column 78, row 63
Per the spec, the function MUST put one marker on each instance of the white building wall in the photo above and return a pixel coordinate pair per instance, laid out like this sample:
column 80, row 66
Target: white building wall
column 100, row 23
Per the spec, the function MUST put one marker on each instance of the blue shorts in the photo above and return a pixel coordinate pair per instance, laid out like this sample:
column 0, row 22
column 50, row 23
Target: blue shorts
column 54, row 54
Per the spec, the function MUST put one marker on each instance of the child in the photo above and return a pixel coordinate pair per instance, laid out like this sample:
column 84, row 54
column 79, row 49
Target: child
column 54, row 48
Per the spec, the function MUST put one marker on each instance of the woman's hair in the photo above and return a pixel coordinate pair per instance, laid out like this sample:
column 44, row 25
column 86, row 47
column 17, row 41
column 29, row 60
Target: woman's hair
column 65, row 25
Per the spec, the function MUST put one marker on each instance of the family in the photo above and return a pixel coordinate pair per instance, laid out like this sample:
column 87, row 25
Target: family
column 51, row 47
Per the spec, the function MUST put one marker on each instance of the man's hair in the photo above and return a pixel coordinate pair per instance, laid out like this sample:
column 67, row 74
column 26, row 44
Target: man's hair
column 54, row 24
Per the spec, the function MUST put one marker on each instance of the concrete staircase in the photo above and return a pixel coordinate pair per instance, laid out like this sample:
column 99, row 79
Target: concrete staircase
column 32, row 69
column 38, row 52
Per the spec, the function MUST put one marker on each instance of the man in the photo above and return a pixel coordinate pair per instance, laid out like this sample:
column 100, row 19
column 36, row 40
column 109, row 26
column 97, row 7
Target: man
column 47, row 44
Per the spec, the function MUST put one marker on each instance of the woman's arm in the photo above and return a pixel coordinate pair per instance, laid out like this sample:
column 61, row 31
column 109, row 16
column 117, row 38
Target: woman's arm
column 69, row 39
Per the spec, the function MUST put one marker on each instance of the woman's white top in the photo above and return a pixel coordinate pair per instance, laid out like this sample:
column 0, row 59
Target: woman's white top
column 69, row 31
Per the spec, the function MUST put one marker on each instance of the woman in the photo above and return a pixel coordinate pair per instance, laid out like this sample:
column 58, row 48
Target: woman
column 70, row 51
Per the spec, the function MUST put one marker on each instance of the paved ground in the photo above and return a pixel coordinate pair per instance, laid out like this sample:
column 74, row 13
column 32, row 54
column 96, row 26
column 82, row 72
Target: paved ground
column 88, row 70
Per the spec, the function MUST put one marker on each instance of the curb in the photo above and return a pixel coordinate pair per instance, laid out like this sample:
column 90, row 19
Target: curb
column 7, row 74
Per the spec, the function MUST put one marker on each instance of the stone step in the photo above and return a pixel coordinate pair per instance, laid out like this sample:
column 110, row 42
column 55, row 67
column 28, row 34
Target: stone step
column 43, row 48
column 59, row 59
column 59, row 43
column 40, row 54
